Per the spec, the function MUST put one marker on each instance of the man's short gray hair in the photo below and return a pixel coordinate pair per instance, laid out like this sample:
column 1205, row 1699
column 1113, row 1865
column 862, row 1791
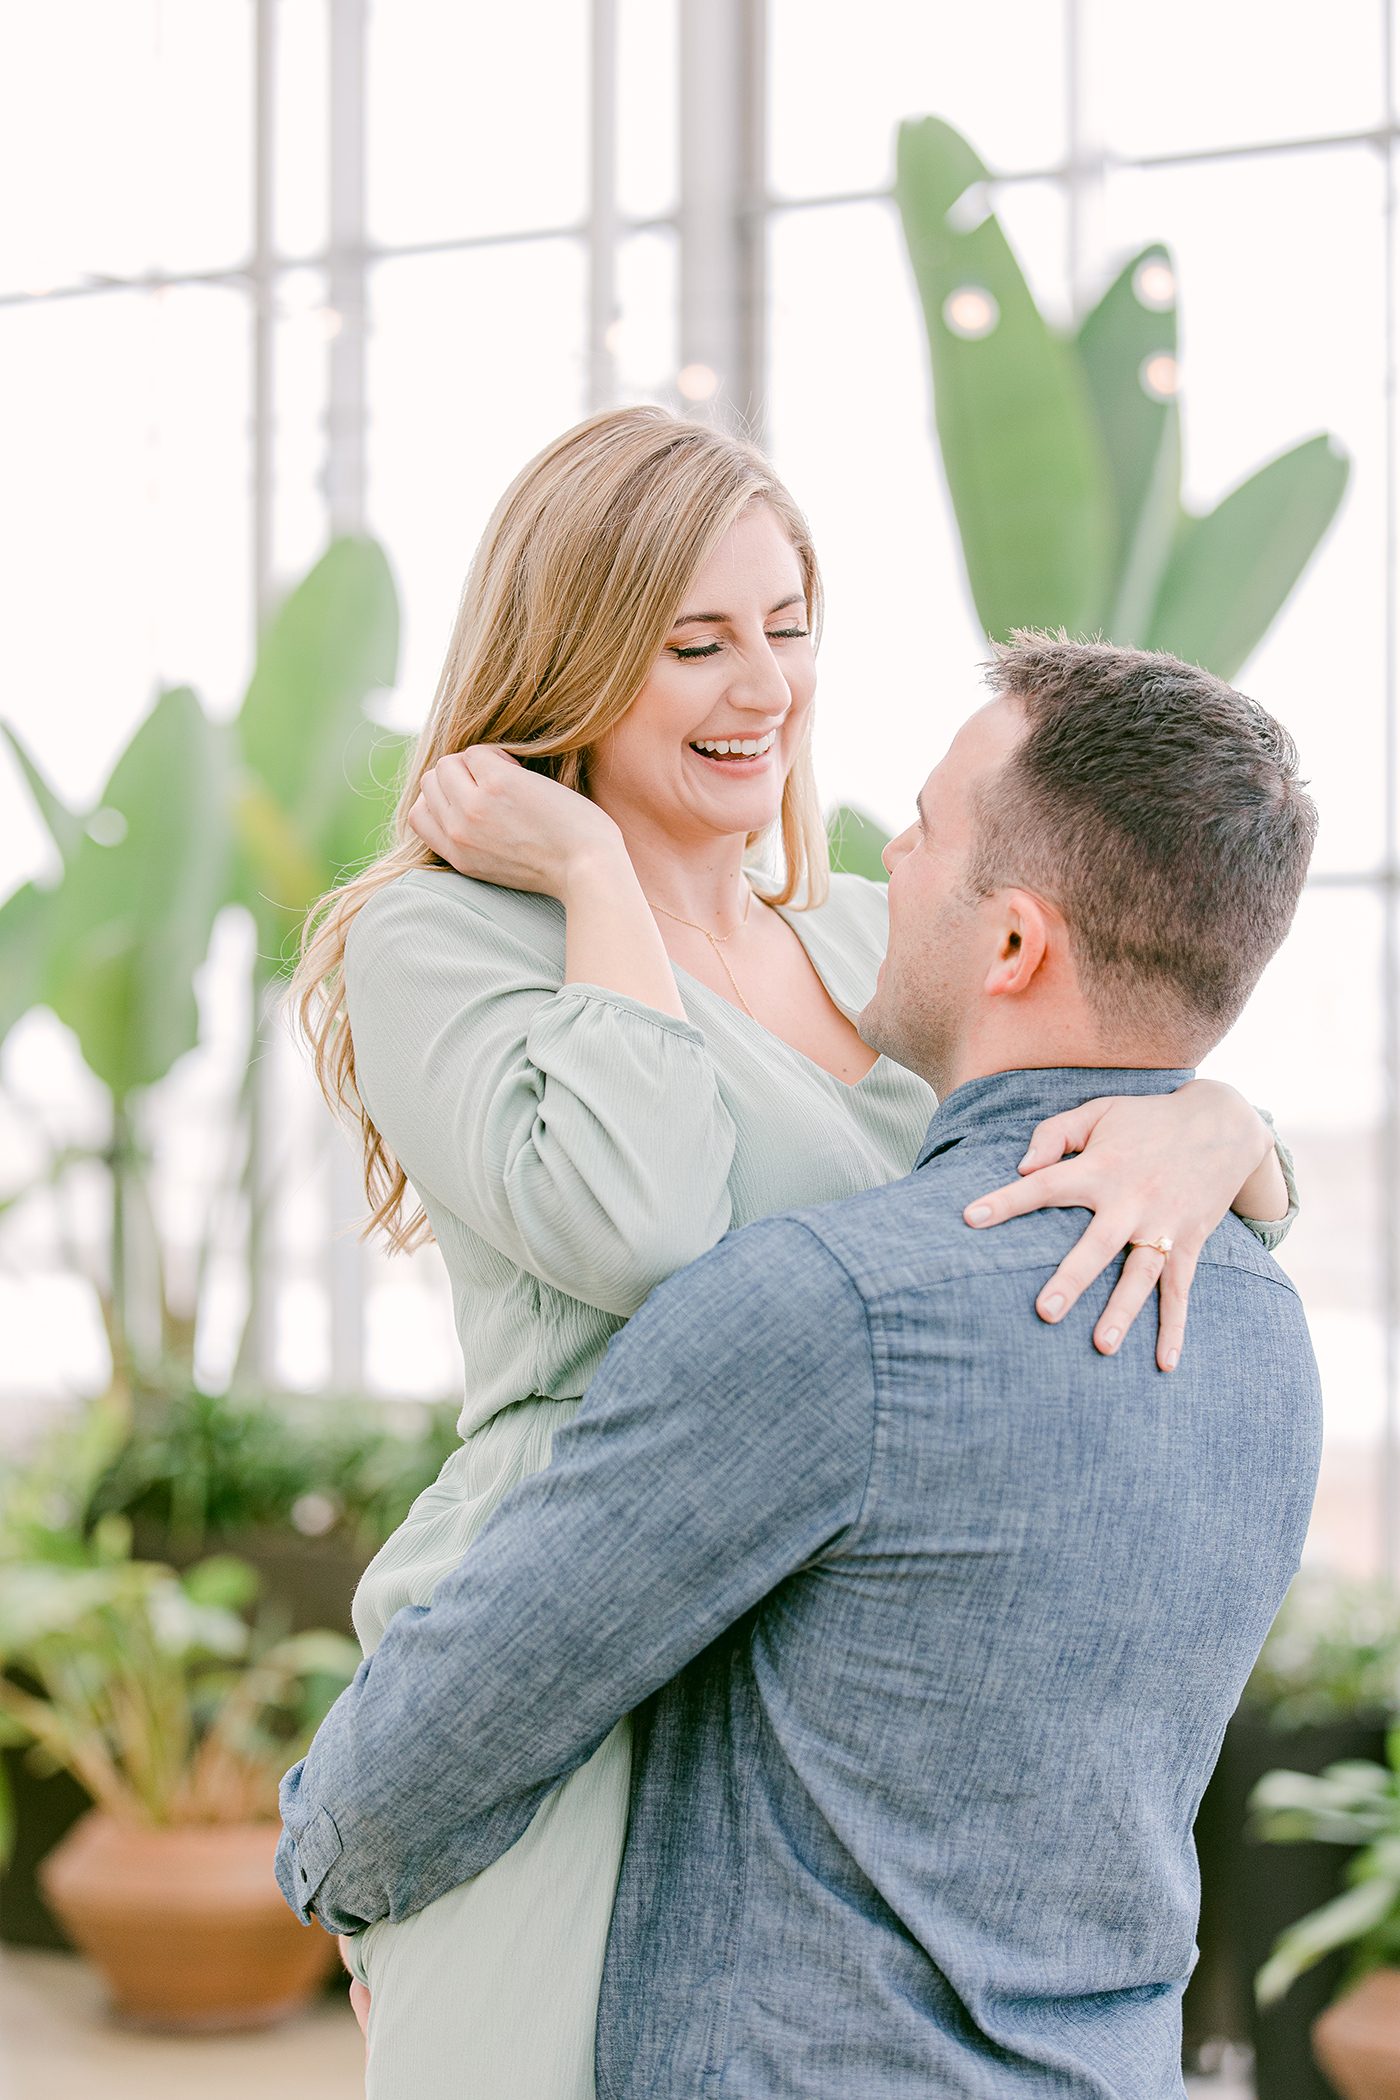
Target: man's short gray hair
column 1162, row 815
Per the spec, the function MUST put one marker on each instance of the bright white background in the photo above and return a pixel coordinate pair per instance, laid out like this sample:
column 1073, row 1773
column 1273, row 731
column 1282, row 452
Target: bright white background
column 125, row 146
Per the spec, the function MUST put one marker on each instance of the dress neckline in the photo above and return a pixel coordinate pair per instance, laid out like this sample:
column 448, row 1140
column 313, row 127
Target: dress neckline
column 847, row 1086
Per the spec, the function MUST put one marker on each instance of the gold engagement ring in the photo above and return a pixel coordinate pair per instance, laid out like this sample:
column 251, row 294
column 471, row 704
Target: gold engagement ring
column 1161, row 1246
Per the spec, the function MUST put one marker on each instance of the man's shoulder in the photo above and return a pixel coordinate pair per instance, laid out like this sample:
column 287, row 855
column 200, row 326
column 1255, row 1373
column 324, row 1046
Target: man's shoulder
column 910, row 1234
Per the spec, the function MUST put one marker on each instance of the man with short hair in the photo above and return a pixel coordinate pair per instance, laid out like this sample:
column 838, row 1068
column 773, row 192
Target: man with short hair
column 934, row 1615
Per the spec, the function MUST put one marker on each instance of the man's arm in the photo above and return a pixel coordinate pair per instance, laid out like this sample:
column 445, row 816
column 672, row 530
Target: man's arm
column 724, row 1443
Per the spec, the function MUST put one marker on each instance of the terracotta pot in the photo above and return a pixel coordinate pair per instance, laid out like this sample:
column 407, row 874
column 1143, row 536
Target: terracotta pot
column 1357, row 2040
column 187, row 1926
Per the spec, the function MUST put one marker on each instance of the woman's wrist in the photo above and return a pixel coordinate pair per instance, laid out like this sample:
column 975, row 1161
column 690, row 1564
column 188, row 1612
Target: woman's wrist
column 601, row 872
column 1263, row 1194
column 611, row 938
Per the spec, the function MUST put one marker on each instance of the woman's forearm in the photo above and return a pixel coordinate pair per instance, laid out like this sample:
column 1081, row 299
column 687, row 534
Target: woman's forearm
column 612, row 938
column 1265, row 1195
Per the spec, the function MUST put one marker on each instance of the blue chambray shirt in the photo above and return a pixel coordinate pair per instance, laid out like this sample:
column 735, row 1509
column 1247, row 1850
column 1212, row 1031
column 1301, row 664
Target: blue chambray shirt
column 934, row 1618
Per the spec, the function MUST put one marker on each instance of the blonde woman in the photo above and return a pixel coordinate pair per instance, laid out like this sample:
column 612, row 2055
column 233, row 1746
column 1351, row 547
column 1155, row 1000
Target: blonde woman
column 572, row 1013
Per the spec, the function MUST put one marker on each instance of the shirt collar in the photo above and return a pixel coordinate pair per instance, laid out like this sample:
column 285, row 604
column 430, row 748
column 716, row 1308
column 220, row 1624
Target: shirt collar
column 1002, row 1099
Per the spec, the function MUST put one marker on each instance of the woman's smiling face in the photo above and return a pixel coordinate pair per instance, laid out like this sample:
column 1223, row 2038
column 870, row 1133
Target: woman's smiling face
column 706, row 746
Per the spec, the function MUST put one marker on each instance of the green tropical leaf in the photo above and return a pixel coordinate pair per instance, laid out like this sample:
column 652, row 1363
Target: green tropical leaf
column 856, row 842
column 334, row 641
column 132, row 918
column 65, row 826
column 1025, row 461
column 1120, row 344
column 317, row 793
column 1231, row 572
column 26, row 934
column 1348, row 1917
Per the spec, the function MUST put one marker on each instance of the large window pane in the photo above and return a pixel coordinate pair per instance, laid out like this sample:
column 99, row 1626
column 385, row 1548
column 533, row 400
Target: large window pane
column 645, row 340
column 1308, row 1047
column 842, row 77
column 141, row 159
column 478, row 118
column 648, row 130
column 476, row 361
column 301, row 149
column 1282, row 335
column 1202, row 74
column 125, row 540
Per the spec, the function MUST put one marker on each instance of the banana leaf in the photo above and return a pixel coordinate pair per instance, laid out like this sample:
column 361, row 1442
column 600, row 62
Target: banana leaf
column 1120, row 344
column 1026, row 464
column 319, row 777
column 130, row 922
column 1232, row 571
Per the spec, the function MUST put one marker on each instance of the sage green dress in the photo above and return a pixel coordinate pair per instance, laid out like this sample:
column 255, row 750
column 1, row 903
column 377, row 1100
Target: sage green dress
column 573, row 1148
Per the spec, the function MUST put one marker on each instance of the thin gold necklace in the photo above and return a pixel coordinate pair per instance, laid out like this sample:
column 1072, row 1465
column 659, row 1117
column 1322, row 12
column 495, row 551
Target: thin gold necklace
column 717, row 941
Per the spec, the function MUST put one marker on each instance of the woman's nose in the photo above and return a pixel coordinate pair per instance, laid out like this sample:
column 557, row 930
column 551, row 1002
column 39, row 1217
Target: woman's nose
column 760, row 684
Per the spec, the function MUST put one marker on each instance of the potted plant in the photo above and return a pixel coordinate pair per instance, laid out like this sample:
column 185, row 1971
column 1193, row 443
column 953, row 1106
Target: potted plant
column 1319, row 1694
column 1355, row 1803
column 155, row 1694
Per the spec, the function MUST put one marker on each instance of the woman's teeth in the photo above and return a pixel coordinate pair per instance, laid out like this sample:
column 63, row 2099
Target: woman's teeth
column 735, row 747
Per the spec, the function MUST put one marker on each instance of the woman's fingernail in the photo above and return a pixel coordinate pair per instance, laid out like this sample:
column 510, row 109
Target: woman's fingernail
column 1172, row 1356
column 1027, row 1160
column 979, row 1213
column 1112, row 1338
column 1052, row 1307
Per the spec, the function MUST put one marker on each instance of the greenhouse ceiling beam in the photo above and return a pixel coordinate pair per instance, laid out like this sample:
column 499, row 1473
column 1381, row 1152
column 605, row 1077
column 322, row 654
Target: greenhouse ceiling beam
column 241, row 275
column 723, row 239
column 1389, row 1162
column 345, row 491
column 345, row 272
column 263, row 275
column 601, row 235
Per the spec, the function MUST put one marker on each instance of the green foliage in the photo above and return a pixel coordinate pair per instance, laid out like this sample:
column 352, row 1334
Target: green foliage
column 1333, row 1651
column 152, row 1695
column 1230, row 572
column 268, row 814
column 318, row 783
column 856, row 842
column 303, row 784
column 113, row 949
column 1026, row 464
column 1356, row 1803
column 210, row 1467
column 152, row 1689
column 1063, row 457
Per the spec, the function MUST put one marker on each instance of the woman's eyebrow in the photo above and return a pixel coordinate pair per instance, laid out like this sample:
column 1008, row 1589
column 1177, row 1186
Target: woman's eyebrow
column 688, row 619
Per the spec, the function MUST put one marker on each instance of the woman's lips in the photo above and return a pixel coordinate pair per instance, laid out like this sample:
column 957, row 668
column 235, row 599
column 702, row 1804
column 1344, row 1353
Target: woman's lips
column 729, row 751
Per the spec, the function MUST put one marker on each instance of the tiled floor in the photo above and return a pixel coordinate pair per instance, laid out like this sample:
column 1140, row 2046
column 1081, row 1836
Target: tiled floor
column 56, row 2044
column 1230, row 2081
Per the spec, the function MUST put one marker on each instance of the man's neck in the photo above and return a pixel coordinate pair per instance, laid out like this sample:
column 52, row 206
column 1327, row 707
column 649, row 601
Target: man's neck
column 1058, row 1043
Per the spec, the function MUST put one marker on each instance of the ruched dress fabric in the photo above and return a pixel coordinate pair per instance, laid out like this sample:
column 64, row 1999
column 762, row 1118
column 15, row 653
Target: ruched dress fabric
column 572, row 1148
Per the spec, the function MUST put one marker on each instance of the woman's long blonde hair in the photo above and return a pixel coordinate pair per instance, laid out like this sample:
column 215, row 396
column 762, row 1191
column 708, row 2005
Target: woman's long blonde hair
column 576, row 584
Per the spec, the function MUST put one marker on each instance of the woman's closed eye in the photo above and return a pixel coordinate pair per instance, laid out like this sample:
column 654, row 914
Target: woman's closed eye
column 697, row 650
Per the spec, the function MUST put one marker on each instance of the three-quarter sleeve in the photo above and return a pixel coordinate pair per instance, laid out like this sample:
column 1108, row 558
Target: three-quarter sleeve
column 579, row 1132
column 1272, row 1232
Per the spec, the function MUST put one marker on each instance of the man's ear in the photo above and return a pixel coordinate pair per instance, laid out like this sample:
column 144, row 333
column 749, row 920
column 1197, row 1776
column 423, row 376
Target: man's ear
column 1021, row 930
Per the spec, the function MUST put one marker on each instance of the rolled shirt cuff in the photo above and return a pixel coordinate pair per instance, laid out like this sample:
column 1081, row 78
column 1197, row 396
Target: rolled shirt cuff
column 304, row 1858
